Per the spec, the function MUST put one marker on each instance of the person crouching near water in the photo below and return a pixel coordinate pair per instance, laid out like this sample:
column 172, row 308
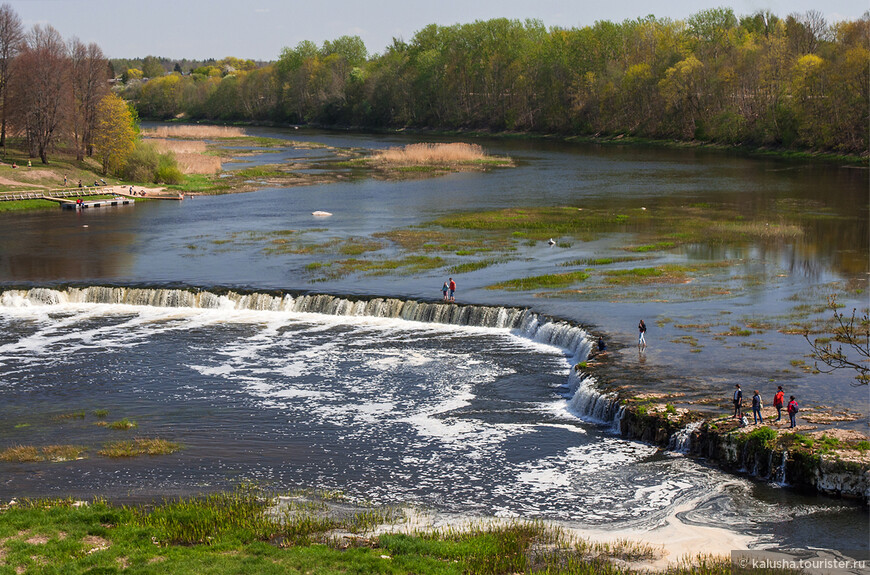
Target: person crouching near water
column 756, row 408
column 738, row 402
column 444, row 289
column 777, row 402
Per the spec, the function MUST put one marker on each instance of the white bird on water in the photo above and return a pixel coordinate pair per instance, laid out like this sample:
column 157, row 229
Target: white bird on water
column 551, row 242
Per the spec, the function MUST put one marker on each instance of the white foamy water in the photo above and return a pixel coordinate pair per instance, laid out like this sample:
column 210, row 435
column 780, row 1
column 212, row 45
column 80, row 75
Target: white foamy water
column 461, row 417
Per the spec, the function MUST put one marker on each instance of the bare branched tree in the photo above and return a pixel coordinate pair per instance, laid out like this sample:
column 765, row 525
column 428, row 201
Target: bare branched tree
column 89, row 74
column 11, row 37
column 41, row 92
column 854, row 333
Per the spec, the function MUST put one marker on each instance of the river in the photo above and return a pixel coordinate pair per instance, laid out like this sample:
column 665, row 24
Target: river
column 466, row 417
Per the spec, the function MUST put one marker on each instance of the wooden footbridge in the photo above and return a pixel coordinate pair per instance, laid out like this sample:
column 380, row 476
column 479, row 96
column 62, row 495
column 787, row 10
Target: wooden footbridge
column 61, row 196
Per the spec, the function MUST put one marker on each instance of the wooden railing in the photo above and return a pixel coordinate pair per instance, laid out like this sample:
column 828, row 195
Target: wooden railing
column 75, row 192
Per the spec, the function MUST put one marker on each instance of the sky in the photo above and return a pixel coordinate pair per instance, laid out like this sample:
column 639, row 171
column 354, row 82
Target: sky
column 260, row 29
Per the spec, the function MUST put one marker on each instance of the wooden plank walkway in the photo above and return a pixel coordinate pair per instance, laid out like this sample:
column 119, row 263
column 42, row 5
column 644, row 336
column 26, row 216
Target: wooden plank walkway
column 118, row 190
column 52, row 195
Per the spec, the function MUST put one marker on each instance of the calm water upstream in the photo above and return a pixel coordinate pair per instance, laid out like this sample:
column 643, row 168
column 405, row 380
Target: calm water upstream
column 460, row 418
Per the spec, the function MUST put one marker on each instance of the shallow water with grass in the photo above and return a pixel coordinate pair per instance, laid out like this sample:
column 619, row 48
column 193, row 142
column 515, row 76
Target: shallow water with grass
column 727, row 258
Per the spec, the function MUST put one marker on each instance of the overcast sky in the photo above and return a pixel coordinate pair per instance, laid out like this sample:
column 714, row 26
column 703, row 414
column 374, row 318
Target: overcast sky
column 260, row 29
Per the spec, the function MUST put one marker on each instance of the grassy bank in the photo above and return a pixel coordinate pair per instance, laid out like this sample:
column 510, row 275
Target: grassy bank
column 248, row 532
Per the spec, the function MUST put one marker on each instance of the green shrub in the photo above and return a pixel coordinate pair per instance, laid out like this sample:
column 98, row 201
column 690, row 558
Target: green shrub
column 167, row 170
column 147, row 164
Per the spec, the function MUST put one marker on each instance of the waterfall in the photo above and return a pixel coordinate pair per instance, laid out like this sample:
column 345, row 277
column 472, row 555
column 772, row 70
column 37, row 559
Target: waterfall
column 617, row 421
column 586, row 400
column 681, row 441
column 780, row 474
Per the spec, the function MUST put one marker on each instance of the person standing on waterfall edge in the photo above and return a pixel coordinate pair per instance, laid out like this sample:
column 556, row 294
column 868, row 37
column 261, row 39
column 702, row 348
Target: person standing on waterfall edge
column 792, row 411
column 452, row 290
column 778, row 401
column 756, row 408
column 738, row 402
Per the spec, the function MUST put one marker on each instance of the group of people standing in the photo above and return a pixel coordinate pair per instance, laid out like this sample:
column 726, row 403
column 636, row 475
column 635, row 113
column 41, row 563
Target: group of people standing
column 448, row 290
column 778, row 402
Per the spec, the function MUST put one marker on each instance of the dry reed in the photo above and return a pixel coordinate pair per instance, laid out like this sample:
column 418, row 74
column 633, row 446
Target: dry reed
column 179, row 146
column 198, row 164
column 428, row 154
column 190, row 154
column 194, row 132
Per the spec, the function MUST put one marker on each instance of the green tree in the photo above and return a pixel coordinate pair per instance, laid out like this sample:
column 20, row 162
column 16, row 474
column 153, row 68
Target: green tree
column 152, row 68
column 114, row 134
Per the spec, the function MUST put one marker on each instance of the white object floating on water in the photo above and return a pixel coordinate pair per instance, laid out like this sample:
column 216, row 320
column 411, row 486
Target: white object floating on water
column 551, row 242
column 84, row 226
column 320, row 214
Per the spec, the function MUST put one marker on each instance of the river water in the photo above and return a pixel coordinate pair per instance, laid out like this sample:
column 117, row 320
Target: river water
column 475, row 416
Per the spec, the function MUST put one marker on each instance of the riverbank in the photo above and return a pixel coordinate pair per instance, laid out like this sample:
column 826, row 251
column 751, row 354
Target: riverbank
column 253, row 531
column 599, row 139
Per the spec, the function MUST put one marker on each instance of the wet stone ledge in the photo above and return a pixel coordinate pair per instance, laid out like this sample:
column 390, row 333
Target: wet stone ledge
column 759, row 452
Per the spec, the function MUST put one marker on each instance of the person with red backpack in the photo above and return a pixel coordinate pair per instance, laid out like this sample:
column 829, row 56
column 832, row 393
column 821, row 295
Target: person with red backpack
column 778, row 401
column 792, row 411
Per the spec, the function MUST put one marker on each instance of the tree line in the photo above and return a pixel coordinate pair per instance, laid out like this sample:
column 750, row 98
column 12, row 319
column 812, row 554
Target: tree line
column 762, row 80
column 57, row 94
column 50, row 89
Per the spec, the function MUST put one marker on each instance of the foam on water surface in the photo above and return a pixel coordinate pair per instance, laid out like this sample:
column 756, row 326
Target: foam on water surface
column 460, row 417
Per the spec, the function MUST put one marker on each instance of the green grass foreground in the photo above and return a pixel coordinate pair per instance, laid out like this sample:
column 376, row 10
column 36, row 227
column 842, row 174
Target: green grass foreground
column 240, row 532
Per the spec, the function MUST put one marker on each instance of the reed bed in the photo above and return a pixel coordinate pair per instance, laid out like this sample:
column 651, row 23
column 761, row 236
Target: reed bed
column 194, row 132
column 143, row 446
column 179, row 146
column 429, row 154
column 191, row 155
column 191, row 163
column 29, row 453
